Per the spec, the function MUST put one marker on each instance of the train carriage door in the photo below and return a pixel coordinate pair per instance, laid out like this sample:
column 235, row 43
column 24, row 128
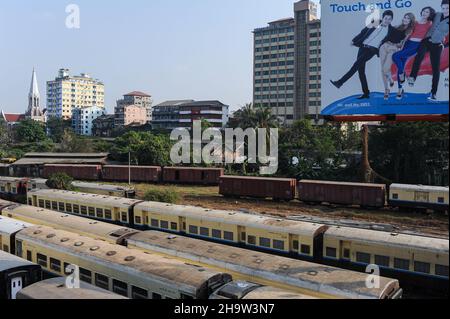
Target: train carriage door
column 422, row 197
column 182, row 224
column 16, row 286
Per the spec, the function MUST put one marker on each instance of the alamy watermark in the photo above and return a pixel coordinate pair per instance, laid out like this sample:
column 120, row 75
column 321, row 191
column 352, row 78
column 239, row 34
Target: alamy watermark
column 73, row 20
column 261, row 145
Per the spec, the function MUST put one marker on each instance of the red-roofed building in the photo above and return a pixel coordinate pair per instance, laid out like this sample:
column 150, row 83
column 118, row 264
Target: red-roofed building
column 11, row 119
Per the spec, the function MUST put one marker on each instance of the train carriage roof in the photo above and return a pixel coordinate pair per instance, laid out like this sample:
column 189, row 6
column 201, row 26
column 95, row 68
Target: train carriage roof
column 54, row 289
column 110, row 232
column 138, row 264
column 234, row 218
column 419, row 188
column 8, row 261
column 386, row 239
column 11, row 226
column 88, row 199
column 323, row 280
column 307, row 181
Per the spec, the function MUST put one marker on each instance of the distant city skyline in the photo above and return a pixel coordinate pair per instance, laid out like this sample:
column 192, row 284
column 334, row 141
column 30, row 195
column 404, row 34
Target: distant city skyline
column 198, row 49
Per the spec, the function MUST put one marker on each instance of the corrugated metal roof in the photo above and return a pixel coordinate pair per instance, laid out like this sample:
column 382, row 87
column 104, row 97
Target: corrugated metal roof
column 258, row 178
column 306, row 181
column 66, row 155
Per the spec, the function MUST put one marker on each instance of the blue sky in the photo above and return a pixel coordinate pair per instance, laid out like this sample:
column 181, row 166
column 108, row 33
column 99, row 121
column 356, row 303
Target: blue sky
column 199, row 49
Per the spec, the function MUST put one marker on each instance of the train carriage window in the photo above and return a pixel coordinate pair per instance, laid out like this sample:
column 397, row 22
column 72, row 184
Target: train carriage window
column 76, row 209
column 55, row 264
column 48, row 204
column 441, row 200
column 402, row 264
column 138, row 220
column 19, row 252
column 193, row 229
column 217, row 233
column 85, row 275
column 264, row 242
column 251, row 240
column 55, row 205
column 124, row 217
column 83, row 210
column 30, row 202
column 138, row 293
column 29, row 256
column 278, row 244
column 164, row 224
column 422, row 267
column 120, row 288
column 41, row 203
column 102, row 281
column 204, row 231
column 363, row 258
column 69, row 208
column 99, row 212
column 156, row 296
column 331, row 252
column 108, row 214
column 61, row 207
column 228, row 236
column 306, row 249
column 441, row 270
column 91, row 211
column 395, row 196
column 382, row 261
column 2, row 189
column 155, row 223
column 42, row 260
column 346, row 254
column 173, row 226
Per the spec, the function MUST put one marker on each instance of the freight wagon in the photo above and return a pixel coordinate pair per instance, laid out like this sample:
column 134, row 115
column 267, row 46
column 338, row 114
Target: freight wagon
column 276, row 188
column 192, row 175
column 364, row 195
column 148, row 174
column 83, row 172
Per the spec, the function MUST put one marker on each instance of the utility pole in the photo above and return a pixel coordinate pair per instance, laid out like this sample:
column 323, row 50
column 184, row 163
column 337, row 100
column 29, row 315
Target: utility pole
column 129, row 168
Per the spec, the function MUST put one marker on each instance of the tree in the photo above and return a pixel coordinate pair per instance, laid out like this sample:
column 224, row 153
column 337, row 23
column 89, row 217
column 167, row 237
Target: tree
column 30, row 131
column 56, row 128
column 60, row 181
column 72, row 143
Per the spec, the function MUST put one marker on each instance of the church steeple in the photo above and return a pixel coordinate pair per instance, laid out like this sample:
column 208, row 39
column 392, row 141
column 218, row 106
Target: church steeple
column 34, row 100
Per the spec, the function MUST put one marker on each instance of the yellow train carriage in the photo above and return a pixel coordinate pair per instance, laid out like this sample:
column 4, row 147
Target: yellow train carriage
column 83, row 226
column 106, row 208
column 419, row 197
column 8, row 228
column 127, row 272
column 393, row 253
column 279, row 235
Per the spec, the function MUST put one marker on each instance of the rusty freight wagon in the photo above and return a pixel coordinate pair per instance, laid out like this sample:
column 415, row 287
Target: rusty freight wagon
column 258, row 187
column 192, row 175
column 121, row 173
column 359, row 194
column 81, row 172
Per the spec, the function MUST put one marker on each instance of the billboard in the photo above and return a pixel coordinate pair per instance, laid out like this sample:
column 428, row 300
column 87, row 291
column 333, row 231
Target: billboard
column 385, row 57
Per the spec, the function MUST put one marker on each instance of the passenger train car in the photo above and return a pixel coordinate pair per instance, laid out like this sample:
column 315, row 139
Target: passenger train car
column 302, row 240
column 261, row 268
column 419, row 197
column 56, row 289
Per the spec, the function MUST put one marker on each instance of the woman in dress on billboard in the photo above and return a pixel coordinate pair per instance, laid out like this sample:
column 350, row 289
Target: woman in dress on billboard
column 396, row 43
column 400, row 58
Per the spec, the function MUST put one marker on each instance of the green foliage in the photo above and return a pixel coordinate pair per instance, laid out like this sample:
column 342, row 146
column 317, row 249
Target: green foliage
column 72, row 143
column 30, row 131
column 170, row 196
column 255, row 117
column 60, row 181
column 56, row 128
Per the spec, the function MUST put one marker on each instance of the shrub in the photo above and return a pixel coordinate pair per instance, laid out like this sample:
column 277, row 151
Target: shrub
column 60, row 181
column 163, row 196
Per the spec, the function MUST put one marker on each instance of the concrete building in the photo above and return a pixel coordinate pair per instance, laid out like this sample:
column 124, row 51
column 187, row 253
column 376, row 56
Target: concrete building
column 167, row 114
column 181, row 114
column 137, row 100
column 103, row 126
column 274, row 65
column 287, row 65
column 34, row 111
column 68, row 93
column 83, row 119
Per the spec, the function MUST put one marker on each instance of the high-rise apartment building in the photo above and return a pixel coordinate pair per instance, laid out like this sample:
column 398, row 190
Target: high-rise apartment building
column 274, row 67
column 67, row 93
column 287, row 65
column 83, row 119
column 137, row 99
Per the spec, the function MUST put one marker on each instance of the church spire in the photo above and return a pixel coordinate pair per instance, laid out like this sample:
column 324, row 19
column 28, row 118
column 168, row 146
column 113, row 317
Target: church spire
column 34, row 99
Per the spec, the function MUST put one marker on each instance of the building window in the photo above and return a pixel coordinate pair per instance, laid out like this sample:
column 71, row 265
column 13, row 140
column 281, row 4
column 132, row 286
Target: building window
column 422, row 267
column 331, row 252
column 402, row 264
column 382, row 261
column 363, row 258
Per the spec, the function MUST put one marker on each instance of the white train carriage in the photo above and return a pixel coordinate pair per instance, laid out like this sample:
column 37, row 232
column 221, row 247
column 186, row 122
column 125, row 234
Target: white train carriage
column 419, row 197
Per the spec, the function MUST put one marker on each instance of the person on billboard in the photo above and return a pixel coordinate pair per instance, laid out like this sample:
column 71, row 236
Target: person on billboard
column 369, row 42
column 400, row 58
column 396, row 43
column 434, row 43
